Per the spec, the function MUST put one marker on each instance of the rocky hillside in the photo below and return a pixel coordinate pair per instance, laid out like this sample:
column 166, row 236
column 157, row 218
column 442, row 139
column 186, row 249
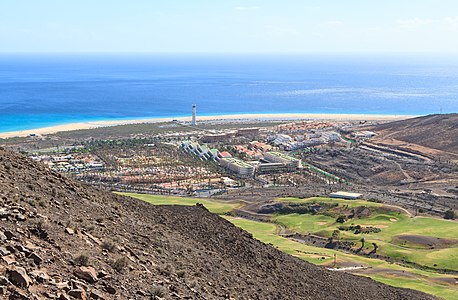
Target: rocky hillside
column 63, row 240
column 434, row 131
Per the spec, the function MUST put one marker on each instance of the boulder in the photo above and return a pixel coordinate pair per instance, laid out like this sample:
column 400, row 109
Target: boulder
column 9, row 259
column 18, row 276
column 9, row 235
column 40, row 276
column 95, row 294
column 10, row 248
column 64, row 297
column 4, row 251
column 36, row 258
column 4, row 281
column 76, row 284
column 110, row 289
column 23, row 249
column 102, row 274
column 86, row 273
column 19, row 295
column 61, row 285
column 78, row 294
column 4, row 213
column 20, row 217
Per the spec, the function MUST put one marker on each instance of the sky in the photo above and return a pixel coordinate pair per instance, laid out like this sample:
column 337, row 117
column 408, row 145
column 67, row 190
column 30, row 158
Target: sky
column 229, row 26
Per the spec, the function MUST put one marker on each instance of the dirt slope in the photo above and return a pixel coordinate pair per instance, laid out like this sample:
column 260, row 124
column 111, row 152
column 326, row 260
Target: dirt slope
column 433, row 131
column 51, row 227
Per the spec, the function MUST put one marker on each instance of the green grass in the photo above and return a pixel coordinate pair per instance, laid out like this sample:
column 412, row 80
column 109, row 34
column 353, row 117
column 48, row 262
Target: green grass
column 212, row 205
column 350, row 203
column 380, row 270
column 428, row 285
column 391, row 223
column 267, row 233
column 425, row 281
column 302, row 224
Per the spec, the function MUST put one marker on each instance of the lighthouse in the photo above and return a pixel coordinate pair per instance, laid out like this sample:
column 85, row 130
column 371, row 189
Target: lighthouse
column 193, row 121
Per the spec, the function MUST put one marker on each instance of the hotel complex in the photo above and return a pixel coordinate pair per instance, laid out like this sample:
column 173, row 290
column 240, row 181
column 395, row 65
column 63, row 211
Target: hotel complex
column 241, row 168
column 269, row 163
column 277, row 157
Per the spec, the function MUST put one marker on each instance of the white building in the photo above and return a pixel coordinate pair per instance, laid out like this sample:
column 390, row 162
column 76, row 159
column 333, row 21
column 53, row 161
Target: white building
column 345, row 195
column 277, row 157
column 238, row 166
column 364, row 134
column 281, row 139
column 331, row 136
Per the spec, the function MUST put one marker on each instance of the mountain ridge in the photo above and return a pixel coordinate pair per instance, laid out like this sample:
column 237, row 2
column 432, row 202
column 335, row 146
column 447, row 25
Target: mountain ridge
column 439, row 132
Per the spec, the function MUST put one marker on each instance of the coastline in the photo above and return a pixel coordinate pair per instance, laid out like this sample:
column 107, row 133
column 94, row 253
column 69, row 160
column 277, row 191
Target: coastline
column 232, row 117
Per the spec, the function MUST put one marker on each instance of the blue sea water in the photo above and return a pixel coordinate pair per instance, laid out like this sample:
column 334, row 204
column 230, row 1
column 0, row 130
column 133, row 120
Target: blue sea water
column 44, row 90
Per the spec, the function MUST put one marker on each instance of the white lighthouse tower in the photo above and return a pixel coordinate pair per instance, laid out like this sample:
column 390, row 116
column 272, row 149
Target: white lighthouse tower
column 193, row 121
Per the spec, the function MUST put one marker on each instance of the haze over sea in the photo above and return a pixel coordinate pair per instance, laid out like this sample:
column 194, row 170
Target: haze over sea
column 45, row 90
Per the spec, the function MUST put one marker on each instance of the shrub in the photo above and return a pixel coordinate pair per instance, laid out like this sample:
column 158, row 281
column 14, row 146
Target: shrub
column 90, row 228
column 119, row 264
column 341, row 219
column 181, row 273
column 157, row 291
column 336, row 234
column 166, row 270
column 109, row 245
column 375, row 200
column 449, row 215
column 82, row 259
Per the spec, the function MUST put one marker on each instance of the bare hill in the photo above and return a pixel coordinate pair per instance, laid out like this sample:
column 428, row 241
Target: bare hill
column 63, row 240
column 433, row 131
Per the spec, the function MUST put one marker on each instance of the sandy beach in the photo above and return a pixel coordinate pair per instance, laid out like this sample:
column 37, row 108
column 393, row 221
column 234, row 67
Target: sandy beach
column 89, row 125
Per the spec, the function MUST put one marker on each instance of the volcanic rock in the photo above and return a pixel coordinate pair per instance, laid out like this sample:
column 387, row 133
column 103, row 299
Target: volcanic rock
column 18, row 276
column 87, row 273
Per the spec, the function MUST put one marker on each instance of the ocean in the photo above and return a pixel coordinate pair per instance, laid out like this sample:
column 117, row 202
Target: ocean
column 45, row 90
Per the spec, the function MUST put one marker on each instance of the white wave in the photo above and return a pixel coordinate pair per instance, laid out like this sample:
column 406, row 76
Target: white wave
column 415, row 93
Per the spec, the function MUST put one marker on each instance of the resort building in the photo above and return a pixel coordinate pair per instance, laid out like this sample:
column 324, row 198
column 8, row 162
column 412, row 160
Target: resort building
column 248, row 131
column 277, row 157
column 363, row 134
column 331, row 136
column 224, row 154
column 201, row 151
column 241, row 168
column 281, row 139
column 214, row 153
column 217, row 137
column 265, row 168
column 260, row 146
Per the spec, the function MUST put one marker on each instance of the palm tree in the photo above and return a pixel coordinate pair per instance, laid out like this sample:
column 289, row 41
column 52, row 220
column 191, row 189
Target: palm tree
column 375, row 248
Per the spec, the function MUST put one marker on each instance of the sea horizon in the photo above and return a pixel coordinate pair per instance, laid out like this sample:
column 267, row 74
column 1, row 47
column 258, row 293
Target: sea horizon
column 42, row 90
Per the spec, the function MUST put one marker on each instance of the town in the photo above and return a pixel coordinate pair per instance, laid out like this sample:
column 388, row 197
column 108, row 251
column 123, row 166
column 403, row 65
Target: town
column 245, row 158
